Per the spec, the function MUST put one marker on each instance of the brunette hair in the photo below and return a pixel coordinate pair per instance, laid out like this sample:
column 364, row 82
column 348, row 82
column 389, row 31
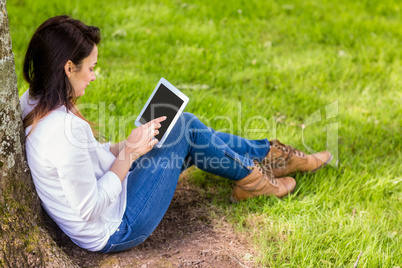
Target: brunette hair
column 56, row 41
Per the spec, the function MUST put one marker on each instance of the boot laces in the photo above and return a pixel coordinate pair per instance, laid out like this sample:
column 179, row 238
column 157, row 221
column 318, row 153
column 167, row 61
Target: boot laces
column 266, row 169
column 289, row 150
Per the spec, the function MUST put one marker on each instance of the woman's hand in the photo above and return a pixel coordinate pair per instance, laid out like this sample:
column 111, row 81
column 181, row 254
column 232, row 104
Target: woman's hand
column 139, row 142
column 141, row 139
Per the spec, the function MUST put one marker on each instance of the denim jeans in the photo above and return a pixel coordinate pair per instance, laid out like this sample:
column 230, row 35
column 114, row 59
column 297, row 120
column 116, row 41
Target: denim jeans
column 154, row 176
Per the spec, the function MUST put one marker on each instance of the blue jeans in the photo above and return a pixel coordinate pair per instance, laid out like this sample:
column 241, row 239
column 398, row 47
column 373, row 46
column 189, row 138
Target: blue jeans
column 154, row 176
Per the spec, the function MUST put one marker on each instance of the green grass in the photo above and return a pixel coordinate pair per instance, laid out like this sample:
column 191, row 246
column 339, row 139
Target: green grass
column 244, row 59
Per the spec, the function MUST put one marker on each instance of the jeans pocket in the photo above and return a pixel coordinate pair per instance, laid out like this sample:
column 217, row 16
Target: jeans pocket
column 127, row 245
column 248, row 166
column 233, row 157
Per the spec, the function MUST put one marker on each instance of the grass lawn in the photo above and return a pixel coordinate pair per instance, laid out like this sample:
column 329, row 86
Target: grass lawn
column 314, row 74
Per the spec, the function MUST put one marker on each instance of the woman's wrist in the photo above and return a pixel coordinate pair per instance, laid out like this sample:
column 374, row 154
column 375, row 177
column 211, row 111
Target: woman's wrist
column 129, row 153
column 117, row 147
column 123, row 162
column 122, row 144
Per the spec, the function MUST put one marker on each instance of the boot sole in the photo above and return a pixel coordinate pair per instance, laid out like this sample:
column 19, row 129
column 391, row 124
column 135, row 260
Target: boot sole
column 309, row 171
column 235, row 201
column 320, row 167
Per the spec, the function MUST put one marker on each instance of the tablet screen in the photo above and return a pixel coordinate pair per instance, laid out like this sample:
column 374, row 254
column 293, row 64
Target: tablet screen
column 163, row 103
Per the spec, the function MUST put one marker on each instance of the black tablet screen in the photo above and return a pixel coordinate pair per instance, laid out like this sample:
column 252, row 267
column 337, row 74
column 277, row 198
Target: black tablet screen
column 163, row 103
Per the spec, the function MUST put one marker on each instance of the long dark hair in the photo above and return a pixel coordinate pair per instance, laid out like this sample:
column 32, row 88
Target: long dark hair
column 56, row 41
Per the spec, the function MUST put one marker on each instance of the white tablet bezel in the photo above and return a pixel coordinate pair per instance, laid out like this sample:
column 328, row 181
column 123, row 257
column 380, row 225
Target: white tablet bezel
column 178, row 93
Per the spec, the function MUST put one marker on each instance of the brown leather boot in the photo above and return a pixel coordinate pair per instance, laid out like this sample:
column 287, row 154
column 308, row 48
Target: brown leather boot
column 285, row 160
column 261, row 181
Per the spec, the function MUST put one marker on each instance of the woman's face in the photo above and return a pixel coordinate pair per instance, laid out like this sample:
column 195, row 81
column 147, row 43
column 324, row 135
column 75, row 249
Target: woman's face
column 80, row 77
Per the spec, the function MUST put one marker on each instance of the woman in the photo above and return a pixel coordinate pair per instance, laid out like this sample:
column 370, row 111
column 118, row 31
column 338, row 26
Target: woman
column 110, row 198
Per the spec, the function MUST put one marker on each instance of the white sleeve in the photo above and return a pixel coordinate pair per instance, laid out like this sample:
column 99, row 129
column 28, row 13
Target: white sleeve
column 107, row 145
column 86, row 195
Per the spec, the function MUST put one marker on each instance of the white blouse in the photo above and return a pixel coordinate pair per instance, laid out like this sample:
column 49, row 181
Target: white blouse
column 70, row 170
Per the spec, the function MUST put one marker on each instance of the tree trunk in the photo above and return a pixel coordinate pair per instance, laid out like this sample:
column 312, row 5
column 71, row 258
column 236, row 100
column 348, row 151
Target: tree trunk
column 24, row 242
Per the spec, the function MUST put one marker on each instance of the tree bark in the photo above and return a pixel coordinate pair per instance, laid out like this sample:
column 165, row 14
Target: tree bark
column 24, row 242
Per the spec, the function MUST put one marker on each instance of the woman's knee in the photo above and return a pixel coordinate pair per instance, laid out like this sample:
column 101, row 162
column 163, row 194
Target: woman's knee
column 189, row 117
column 182, row 128
column 186, row 121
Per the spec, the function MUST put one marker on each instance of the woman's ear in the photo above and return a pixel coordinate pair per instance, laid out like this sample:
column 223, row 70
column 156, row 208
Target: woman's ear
column 68, row 68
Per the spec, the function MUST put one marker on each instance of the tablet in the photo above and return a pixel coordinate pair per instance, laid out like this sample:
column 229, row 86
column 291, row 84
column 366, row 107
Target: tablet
column 165, row 100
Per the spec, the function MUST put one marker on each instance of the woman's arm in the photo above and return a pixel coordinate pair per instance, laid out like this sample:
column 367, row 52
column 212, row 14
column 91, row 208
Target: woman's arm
column 139, row 142
column 68, row 150
column 117, row 147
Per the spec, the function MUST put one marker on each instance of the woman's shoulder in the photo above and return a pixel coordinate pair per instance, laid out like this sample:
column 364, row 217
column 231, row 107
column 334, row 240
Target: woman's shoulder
column 60, row 125
column 62, row 117
column 58, row 117
column 27, row 103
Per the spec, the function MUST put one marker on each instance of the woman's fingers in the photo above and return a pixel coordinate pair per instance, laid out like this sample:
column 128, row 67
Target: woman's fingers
column 156, row 122
column 153, row 133
column 144, row 136
column 160, row 119
column 154, row 125
column 153, row 142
